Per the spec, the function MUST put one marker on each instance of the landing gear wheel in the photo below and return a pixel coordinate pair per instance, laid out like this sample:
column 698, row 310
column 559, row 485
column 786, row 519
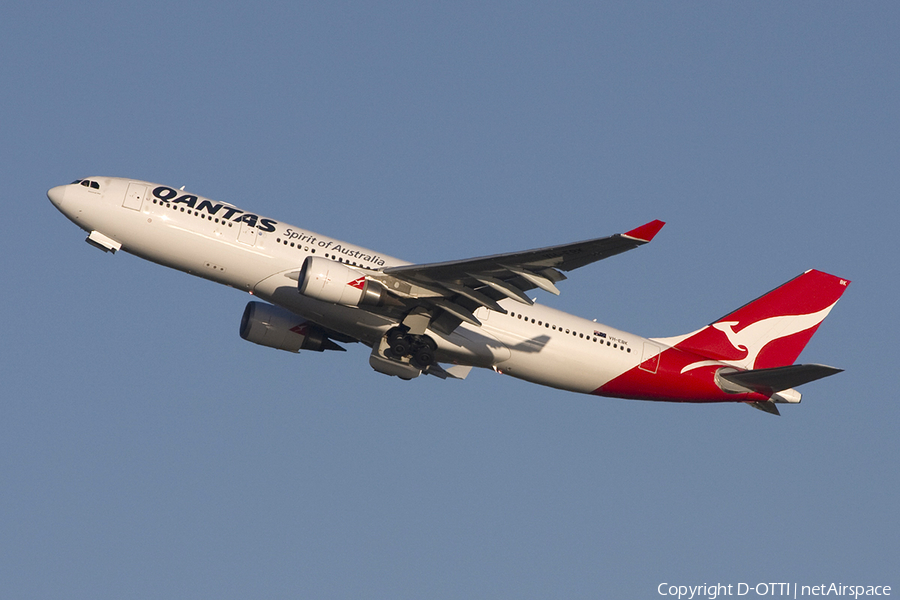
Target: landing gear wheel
column 423, row 358
column 419, row 348
column 399, row 343
column 400, row 347
column 423, row 353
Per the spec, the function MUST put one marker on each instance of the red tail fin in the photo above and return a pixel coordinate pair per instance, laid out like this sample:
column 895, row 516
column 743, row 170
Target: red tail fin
column 773, row 329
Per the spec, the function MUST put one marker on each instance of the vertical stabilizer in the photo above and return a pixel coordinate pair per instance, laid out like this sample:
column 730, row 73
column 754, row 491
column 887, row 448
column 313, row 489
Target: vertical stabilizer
column 772, row 330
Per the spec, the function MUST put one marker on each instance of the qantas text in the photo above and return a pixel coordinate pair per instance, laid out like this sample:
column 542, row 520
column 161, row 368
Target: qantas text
column 167, row 194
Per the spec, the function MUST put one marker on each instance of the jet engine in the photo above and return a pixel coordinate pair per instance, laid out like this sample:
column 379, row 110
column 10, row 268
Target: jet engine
column 279, row 328
column 334, row 282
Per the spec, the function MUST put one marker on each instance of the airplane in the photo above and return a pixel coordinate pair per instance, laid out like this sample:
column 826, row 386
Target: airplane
column 445, row 318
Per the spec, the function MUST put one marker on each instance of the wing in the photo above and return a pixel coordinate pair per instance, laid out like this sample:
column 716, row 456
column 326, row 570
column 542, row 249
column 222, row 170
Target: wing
column 460, row 287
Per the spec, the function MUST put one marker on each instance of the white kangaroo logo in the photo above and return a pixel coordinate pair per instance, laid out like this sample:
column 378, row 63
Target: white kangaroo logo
column 754, row 337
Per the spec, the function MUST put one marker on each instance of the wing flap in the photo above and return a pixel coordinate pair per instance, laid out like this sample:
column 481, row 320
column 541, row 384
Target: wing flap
column 564, row 257
column 459, row 286
column 449, row 372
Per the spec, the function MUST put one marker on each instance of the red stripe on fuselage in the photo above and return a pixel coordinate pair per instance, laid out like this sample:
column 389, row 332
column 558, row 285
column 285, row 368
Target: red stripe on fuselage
column 669, row 384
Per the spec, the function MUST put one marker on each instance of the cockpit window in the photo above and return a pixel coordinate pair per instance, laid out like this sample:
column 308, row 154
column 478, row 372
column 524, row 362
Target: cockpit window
column 87, row 183
column 76, row 181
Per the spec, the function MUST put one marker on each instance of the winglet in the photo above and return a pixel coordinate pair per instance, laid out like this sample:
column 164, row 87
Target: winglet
column 645, row 233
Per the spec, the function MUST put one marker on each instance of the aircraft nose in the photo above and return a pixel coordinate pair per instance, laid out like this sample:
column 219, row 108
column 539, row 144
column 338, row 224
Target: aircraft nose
column 56, row 195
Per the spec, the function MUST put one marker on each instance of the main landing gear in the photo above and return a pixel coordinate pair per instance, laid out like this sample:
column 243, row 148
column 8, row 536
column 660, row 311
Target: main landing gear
column 419, row 348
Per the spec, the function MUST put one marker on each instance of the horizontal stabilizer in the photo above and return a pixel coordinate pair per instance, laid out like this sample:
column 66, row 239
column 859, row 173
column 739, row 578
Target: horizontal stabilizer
column 776, row 379
column 767, row 406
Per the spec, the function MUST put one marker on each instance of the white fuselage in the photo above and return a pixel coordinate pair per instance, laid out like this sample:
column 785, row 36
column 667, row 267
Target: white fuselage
column 222, row 243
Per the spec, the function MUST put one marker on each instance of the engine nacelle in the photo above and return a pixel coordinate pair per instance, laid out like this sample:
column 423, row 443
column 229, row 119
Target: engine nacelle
column 334, row 282
column 276, row 327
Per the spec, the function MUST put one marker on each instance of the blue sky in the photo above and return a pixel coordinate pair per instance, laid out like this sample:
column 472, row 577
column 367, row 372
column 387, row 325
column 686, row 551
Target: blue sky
column 147, row 451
